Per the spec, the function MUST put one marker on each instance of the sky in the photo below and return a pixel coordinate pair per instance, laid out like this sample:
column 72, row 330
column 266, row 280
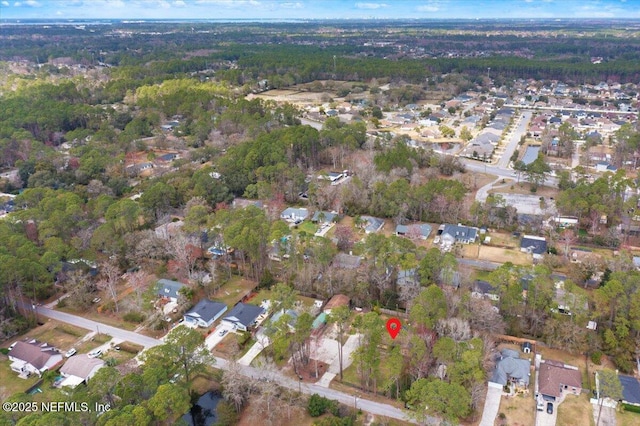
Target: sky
column 317, row 9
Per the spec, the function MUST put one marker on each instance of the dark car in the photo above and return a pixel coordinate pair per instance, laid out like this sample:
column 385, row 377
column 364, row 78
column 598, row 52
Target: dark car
column 549, row 407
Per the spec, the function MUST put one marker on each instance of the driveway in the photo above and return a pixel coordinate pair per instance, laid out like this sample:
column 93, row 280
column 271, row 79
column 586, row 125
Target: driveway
column 262, row 342
column 212, row 340
column 607, row 416
column 491, row 404
column 545, row 419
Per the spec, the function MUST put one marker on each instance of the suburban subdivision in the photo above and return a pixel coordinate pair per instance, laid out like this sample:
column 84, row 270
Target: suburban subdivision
column 302, row 220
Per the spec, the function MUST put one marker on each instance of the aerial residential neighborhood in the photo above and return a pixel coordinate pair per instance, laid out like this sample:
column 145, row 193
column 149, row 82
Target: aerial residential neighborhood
column 284, row 213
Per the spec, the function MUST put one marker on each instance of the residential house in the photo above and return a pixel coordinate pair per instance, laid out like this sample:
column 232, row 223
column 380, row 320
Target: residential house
column 294, row 215
column 138, row 169
column 168, row 230
column 484, row 290
column 346, row 261
column 169, row 289
column 334, row 177
column 243, row 316
column 408, row 278
column 556, row 380
column 512, row 369
column 418, row 230
column 630, row 390
column 79, row 369
column 33, row 357
column 450, row 234
column 537, row 246
column 371, row 224
column 291, row 321
column 336, row 301
column 204, row 313
column 605, row 166
column 324, row 217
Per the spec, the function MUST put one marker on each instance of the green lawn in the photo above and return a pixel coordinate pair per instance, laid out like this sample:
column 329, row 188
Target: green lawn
column 308, row 227
column 11, row 384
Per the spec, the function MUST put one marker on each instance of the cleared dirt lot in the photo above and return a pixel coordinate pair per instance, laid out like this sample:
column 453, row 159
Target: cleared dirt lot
column 293, row 96
column 497, row 254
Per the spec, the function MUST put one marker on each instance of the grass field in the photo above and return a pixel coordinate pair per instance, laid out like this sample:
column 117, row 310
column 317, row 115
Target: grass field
column 627, row 419
column 10, row 383
column 575, row 410
column 234, row 290
column 519, row 410
column 500, row 255
column 62, row 336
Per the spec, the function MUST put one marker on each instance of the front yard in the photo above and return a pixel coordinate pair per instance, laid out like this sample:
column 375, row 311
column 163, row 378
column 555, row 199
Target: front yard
column 518, row 410
column 575, row 410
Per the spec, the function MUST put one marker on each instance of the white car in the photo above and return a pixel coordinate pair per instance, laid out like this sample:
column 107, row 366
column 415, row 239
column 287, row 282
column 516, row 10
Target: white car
column 96, row 353
column 71, row 352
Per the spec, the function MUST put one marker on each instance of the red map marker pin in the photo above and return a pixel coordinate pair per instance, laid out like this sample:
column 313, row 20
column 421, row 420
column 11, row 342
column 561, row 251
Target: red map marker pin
column 393, row 327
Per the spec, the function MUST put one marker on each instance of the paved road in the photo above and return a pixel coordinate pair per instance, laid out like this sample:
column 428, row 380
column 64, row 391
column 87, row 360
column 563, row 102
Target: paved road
column 522, row 124
column 552, row 108
column 98, row 327
column 221, row 363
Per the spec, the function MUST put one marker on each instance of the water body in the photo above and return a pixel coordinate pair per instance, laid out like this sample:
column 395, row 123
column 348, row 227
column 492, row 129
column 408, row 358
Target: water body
column 203, row 413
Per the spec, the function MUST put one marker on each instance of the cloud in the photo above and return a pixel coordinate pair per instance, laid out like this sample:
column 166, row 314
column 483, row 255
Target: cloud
column 179, row 3
column 17, row 4
column 32, row 3
column 5, row 3
column 291, row 5
column 430, row 6
column 371, row 6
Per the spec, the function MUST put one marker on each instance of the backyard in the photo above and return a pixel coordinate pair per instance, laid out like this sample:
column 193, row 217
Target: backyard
column 518, row 410
column 62, row 336
column 575, row 410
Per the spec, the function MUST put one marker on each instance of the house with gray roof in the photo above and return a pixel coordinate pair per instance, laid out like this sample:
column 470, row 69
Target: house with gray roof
column 79, row 369
column 33, row 357
column 346, row 261
column 324, row 216
column 204, row 313
column 510, row 368
column 293, row 214
column 372, row 224
column 451, row 234
column 243, row 316
column 418, row 230
column 168, row 289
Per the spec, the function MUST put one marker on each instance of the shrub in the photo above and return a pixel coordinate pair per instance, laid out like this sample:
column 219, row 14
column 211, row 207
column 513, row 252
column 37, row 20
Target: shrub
column 4, row 351
column 135, row 317
column 319, row 405
column 596, row 357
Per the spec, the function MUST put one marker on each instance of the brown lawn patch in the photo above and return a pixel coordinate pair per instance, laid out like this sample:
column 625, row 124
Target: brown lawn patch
column 60, row 335
column 525, row 188
column 575, row 410
column 519, row 410
column 234, row 290
column 627, row 418
column 500, row 255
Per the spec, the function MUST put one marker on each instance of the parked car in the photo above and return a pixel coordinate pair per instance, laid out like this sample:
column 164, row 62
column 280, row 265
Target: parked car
column 549, row 407
column 71, row 352
column 96, row 300
column 96, row 353
column 223, row 332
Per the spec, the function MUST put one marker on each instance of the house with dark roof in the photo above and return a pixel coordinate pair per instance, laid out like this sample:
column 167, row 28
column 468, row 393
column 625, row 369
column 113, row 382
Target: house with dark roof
column 537, row 246
column 243, row 316
column 484, row 290
column 450, row 234
column 630, row 390
column 556, row 380
column 33, row 357
column 204, row 313
column 510, row 368
column 79, row 369
column 418, row 230
column 169, row 289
